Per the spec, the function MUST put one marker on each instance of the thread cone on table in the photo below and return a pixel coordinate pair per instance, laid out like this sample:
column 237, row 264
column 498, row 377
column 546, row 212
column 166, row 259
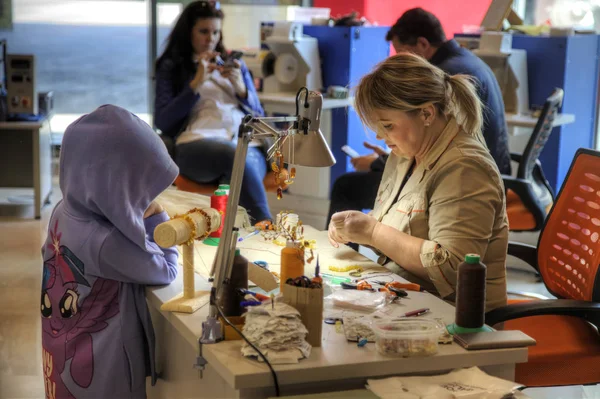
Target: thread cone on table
column 218, row 201
column 470, row 297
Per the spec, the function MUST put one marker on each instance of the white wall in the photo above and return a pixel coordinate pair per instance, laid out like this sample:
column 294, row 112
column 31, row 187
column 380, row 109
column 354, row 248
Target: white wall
column 241, row 27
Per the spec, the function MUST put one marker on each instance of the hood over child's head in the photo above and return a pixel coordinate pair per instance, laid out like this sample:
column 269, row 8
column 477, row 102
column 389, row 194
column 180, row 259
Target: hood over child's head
column 112, row 166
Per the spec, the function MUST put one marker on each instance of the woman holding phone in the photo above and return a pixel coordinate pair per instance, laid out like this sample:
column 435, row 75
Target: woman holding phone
column 202, row 95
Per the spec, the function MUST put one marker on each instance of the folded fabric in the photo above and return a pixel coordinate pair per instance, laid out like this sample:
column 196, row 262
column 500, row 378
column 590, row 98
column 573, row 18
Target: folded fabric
column 277, row 331
column 471, row 383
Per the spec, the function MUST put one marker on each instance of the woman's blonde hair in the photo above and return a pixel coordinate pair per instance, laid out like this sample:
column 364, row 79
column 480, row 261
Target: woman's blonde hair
column 407, row 82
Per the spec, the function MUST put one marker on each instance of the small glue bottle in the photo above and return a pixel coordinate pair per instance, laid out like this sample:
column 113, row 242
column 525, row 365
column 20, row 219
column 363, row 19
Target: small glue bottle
column 292, row 261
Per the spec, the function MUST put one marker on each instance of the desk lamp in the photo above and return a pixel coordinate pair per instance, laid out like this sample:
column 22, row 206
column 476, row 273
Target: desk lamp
column 305, row 145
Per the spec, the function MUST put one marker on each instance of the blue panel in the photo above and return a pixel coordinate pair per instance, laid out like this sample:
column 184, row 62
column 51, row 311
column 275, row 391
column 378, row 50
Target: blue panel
column 339, row 125
column 545, row 64
column 546, row 70
column 334, row 49
column 571, row 64
column 368, row 48
column 581, row 86
column 346, row 55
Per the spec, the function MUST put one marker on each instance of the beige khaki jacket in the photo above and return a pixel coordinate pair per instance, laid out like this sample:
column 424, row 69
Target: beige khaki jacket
column 455, row 201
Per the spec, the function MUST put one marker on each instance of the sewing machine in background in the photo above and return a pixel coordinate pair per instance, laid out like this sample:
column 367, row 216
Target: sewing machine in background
column 288, row 60
column 510, row 68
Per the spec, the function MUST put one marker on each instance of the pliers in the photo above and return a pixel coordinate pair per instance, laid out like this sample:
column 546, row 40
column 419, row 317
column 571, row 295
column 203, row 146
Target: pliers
column 363, row 285
column 399, row 285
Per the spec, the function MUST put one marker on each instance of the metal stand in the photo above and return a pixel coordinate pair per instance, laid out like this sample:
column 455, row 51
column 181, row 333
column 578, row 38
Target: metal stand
column 221, row 269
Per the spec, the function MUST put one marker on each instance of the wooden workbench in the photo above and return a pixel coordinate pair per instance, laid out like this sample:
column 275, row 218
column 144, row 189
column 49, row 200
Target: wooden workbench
column 337, row 365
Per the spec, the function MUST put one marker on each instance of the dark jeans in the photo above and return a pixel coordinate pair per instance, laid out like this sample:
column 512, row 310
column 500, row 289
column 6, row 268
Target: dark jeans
column 354, row 191
column 210, row 160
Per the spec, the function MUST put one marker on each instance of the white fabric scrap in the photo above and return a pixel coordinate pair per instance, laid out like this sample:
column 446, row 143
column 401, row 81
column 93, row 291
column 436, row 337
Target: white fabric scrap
column 278, row 332
column 358, row 326
column 471, row 383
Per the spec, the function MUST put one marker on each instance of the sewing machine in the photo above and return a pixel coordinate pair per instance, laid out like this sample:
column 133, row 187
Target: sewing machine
column 291, row 60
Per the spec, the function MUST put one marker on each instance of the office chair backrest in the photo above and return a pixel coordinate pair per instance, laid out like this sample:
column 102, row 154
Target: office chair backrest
column 569, row 244
column 540, row 135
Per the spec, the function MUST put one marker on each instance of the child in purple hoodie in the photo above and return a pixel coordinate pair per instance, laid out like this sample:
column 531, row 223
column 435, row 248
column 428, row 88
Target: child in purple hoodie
column 97, row 335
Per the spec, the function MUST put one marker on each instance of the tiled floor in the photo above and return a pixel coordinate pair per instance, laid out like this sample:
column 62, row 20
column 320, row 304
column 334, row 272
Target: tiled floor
column 20, row 279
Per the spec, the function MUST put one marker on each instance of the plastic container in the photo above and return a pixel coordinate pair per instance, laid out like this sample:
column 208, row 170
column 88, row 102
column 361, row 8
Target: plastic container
column 407, row 338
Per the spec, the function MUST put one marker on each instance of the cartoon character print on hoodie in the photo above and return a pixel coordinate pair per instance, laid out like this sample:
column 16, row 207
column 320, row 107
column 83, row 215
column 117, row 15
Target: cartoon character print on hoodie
column 67, row 322
column 99, row 256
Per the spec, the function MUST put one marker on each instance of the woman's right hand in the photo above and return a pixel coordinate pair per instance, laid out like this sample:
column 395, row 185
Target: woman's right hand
column 203, row 68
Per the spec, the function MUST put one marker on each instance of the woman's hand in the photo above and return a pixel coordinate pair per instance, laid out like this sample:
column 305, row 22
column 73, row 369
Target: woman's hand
column 351, row 226
column 153, row 209
column 203, row 68
column 363, row 163
column 378, row 150
column 234, row 74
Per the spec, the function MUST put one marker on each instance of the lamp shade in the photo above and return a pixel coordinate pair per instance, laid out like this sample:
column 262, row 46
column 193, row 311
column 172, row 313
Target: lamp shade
column 309, row 149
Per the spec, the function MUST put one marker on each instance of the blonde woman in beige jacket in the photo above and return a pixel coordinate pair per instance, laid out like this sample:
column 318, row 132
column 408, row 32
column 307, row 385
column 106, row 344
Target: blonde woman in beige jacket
column 441, row 195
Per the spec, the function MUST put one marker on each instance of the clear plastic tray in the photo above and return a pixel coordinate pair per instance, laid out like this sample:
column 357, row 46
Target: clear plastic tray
column 407, row 338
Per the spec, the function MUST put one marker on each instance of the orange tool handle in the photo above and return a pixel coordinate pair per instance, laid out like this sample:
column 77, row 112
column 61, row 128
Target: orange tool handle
column 404, row 286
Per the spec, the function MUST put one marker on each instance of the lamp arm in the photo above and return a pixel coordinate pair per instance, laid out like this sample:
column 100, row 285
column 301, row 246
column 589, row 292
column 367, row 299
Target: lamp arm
column 223, row 257
column 223, row 262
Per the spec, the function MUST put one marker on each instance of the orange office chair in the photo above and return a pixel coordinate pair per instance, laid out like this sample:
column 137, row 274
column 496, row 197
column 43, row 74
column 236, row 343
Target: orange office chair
column 529, row 195
column 567, row 257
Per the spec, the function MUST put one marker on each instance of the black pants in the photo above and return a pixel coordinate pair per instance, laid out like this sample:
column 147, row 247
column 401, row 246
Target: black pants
column 354, row 192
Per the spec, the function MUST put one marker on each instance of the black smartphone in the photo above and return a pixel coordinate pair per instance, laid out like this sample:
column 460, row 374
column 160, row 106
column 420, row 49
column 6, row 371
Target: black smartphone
column 233, row 56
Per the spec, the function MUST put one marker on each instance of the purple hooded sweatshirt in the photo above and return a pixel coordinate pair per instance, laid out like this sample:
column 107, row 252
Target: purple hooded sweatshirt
column 97, row 334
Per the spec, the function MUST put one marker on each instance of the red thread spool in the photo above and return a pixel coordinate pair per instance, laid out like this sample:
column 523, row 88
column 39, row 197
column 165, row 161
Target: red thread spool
column 218, row 201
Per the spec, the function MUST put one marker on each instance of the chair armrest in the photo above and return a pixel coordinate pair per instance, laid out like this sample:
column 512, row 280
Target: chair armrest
column 516, row 184
column 527, row 253
column 516, row 157
column 524, row 190
column 589, row 311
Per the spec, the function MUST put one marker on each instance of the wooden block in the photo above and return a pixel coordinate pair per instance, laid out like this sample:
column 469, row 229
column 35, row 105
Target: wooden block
column 186, row 305
column 261, row 277
column 228, row 332
column 309, row 302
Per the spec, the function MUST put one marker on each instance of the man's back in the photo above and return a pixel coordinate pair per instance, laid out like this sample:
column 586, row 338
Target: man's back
column 454, row 60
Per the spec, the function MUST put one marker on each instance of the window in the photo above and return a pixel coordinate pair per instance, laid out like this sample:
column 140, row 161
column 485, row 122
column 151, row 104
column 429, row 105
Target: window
column 89, row 52
column 580, row 14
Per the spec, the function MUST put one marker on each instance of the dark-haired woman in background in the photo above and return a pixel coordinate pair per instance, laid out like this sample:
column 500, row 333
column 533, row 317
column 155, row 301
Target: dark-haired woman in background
column 202, row 105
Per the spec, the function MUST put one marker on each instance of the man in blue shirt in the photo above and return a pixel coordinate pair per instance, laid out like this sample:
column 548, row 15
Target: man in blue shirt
column 420, row 32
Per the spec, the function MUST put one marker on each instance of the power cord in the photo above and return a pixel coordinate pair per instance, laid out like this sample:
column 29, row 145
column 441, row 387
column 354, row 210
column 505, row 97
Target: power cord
column 263, row 357
column 298, row 99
